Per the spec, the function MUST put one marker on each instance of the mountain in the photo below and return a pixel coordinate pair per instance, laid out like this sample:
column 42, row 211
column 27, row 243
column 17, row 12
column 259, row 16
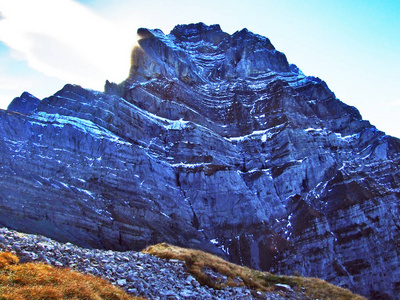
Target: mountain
column 213, row 142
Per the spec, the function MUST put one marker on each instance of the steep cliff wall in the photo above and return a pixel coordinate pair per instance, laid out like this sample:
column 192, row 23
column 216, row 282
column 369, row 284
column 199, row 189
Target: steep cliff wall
column 214, row 141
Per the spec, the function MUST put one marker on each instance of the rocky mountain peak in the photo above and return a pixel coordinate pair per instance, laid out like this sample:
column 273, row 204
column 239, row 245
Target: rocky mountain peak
column 24, row 104
column 196, row 53
column 233, row 77
column 249, row 39
column 199, row 32
column 214, row 142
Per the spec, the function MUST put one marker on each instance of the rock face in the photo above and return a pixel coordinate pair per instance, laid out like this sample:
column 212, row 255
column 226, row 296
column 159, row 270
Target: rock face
column 25, row 104
column 214, row 142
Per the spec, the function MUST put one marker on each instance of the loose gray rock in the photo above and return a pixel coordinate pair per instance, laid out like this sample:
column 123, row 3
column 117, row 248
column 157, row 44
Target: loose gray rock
column 137, row 273
column 283, row 287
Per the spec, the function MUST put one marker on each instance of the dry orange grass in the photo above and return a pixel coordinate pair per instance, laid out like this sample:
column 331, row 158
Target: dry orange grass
column 39, row 281
column 197, row 262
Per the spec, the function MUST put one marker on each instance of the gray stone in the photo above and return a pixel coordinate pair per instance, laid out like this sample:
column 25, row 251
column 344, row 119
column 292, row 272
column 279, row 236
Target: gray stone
column 283, row 287
column 213, row 142
column 187, row 294
column 121, row 282
column 25, row 104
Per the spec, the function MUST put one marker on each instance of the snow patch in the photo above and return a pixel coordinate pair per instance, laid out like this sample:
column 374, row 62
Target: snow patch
column 263, row 135
column 165, row 215
column 264, row 138
column 177, row 125
column 82, row 125
column 313, row 129
column 347, row 138
column 214, row 241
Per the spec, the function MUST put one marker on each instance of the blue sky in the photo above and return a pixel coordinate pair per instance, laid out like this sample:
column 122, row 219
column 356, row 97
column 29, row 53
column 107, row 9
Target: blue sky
column 353, row 45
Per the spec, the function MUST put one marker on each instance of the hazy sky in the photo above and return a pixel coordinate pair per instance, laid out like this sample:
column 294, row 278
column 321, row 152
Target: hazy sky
column 353, row 45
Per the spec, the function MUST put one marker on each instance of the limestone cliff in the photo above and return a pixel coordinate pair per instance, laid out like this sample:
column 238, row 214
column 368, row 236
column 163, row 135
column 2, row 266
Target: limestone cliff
column 216, row 142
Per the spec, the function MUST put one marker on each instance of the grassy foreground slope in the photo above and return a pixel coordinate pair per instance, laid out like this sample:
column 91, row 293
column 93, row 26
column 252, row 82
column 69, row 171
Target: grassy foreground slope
column 204, row 267
column 36, row 281
column 40, row 281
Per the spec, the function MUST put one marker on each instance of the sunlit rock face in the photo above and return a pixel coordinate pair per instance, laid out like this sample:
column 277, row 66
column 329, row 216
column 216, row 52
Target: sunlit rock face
column 214, row 142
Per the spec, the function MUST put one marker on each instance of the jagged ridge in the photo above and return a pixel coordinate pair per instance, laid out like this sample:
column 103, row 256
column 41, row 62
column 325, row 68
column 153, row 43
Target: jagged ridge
column 214, row 142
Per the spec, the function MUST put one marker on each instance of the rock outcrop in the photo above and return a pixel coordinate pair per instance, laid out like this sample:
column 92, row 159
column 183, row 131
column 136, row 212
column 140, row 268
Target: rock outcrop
column 25, row 104
column 214, row 142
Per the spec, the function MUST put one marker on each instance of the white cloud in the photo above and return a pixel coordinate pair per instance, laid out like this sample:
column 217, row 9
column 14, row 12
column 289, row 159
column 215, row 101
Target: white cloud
column 393, row 103
column 65, row 39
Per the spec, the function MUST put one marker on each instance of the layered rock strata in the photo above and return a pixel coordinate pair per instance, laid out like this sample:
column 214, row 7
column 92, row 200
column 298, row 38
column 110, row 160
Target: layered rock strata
column 214, row 142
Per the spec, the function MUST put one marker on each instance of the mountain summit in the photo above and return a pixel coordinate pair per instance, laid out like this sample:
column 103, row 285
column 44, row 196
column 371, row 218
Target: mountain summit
column 214, row 142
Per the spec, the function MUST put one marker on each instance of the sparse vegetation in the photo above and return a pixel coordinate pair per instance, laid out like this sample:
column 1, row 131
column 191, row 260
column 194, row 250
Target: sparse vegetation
column 40, row 281
column 198, row 264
